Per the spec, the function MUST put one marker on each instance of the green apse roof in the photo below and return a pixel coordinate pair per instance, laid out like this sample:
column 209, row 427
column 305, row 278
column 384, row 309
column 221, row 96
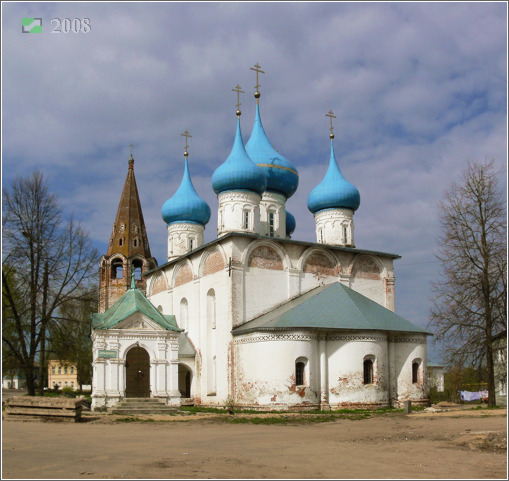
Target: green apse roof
column 132, row 301
column 334, row 306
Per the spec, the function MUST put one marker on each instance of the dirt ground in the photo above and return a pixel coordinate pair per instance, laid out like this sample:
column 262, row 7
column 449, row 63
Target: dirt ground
column 451, row 443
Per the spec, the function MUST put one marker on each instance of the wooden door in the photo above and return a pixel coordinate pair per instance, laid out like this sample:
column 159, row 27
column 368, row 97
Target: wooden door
column 137, row 373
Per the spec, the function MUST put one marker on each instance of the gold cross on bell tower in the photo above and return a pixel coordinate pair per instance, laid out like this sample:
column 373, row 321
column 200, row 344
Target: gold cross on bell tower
column 331, row 116
column 258, row 70
column 186, row 135
column 239, row 91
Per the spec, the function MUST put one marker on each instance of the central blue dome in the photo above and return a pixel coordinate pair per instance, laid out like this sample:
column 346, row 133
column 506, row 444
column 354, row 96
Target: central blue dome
column 282, row 176
column 334, row 191
column 186, row 205
column 238, row 171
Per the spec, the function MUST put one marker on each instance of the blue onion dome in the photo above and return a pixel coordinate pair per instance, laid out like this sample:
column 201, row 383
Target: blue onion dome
column 186, row 205
column 238, row 171
column 290, row 224
column 282, row 176
column 334, row 191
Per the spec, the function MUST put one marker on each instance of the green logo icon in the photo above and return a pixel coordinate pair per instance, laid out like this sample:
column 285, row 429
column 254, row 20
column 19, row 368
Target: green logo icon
column 31, row 25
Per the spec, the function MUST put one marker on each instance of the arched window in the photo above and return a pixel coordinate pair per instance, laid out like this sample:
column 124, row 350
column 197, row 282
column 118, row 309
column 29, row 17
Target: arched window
column 368, row 371
column 65, row 370
column 183, row 313
column 246, row 219
column 137, row 267
column 415, row 372
column 59, row 369
column 72, row 369
column 300, row 371
column 136, row 242
column 271, row 224
column 117, row 269
column 52, row 369
column 211, row 309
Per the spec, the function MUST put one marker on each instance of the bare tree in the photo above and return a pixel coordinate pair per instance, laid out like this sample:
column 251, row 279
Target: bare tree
column 470, row 296
column 47, row 262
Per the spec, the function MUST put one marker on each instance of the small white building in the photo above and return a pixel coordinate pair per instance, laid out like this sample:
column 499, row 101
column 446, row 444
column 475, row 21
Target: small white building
column 264, row 321
column 436, row 376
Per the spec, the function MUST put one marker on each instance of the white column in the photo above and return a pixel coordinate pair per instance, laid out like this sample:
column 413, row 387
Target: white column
column 324, row 385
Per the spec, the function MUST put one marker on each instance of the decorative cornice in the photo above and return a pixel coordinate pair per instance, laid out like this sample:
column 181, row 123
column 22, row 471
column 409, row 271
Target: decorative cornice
column 276, row 337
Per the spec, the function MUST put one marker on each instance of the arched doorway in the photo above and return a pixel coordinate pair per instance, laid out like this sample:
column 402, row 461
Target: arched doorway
column 184, row 381
column 137, row 373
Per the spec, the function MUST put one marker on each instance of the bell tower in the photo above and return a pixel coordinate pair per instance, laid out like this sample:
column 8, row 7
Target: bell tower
column 128, row 250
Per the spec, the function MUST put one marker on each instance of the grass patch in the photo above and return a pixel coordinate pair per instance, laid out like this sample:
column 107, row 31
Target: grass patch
column 281, row 419
column 134, row 419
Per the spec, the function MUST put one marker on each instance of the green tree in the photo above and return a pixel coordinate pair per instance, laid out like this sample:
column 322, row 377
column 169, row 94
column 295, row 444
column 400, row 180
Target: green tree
column 48, row 261
column 470, row 296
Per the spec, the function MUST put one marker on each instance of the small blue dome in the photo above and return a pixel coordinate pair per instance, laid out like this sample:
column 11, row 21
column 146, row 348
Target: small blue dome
column 238, row 171
column 334, row 191
column 186, row 205
column 290, row 224
column 282, row 176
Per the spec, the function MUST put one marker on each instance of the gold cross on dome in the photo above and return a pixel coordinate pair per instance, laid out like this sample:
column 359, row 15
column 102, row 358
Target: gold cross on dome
column 257, row 69
column 331, row 116
column 239, row 91
column 186, row 135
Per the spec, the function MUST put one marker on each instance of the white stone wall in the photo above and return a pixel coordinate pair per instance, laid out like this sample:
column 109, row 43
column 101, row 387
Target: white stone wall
column 273, row 203
column 262, row 275
column 233, row 207
column 335, row 227
column 405, row 349
column 265, row 370
column 346, row 355
column 184, row 237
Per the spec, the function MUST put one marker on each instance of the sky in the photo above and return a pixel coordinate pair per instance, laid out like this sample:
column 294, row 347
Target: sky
column 418, row 89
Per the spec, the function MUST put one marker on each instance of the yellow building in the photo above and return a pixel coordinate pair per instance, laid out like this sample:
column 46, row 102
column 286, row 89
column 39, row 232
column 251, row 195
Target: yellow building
column 62, row 374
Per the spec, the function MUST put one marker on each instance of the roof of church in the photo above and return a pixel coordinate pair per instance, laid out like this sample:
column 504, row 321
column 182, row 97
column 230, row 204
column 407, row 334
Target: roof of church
column 130, row 216
column 238, row 171
column 131, row 302
column 225, row 237
column 334, row 306
column 334, row 191
column 186, row 205
column 282, row 176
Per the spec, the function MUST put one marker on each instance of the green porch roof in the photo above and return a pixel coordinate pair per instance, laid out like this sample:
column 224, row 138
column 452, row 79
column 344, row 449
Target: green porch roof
column 132, row 301
column 334, row 306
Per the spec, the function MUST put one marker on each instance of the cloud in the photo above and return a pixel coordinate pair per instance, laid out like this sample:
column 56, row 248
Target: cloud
column 418, row 90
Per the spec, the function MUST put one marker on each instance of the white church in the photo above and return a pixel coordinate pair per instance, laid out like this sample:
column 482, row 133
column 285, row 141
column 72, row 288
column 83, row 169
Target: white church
column 253, row 319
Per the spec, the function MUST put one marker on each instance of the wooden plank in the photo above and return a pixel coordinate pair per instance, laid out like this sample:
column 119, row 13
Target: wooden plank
column 49, row 402
column 42, row 412
column 41, row 418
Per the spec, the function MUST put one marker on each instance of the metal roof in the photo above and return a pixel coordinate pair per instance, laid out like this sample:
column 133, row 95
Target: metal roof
column 334, row 306
column 132, row 301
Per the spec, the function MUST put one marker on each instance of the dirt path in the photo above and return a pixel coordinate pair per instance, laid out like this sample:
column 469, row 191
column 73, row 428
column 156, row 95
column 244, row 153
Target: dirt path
column 462, row 445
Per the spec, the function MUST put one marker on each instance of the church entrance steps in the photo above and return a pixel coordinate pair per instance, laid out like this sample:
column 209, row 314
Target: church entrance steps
column 142, row 406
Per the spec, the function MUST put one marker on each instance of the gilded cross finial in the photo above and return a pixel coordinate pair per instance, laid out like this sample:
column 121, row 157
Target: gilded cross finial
column 331, row 116
column 186, row 135
column 239, row 91
column 258, row 70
